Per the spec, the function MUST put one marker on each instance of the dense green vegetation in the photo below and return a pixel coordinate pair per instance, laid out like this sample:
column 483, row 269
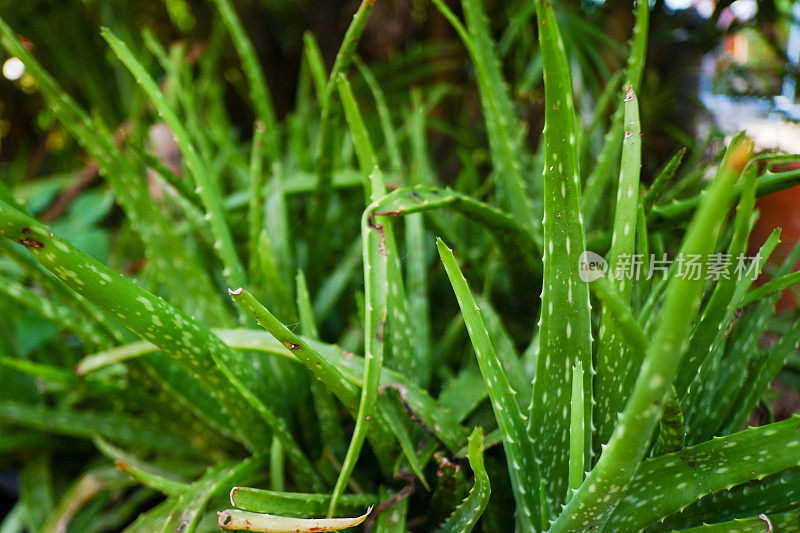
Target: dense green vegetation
column 309, row 325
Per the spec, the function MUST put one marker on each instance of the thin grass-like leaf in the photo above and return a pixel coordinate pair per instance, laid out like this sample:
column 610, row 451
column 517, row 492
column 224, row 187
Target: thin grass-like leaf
column 767, row 183
column 662, row 179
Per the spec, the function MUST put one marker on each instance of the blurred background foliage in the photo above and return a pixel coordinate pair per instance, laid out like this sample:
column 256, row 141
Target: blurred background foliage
column 64, row 36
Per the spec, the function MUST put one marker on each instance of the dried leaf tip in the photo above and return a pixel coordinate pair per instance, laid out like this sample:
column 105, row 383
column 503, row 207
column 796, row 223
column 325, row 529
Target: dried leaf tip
column 742, row 154
column 235, row 292
column 235, row 519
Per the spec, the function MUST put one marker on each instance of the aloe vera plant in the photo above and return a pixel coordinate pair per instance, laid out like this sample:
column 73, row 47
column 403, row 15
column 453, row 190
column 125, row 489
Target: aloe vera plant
column 392, row 347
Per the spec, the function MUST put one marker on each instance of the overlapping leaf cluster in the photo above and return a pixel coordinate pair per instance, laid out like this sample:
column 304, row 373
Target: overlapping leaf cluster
column 367, row 380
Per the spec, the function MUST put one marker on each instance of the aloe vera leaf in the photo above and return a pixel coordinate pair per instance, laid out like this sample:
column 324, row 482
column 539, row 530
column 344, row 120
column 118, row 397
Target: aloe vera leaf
column 36, row 490
column 509, row 233
column 601, row 107
column 234, row 519
column 706, row 334
column 470, row 510
column 123, row 428
column 392, row 414
column 708, row 405
column 565, row 326
column 384, row 116
column 617, row 367
column 593, row 192
column 316, row 65
column 441, row 421
column 187, row 284
column 694, row 472
column 672, row 428
column 207, row 186
column 330, row 423
column 700, row 393
column 768, row 495
column 755, row 524
column 620, row 458
column 256, row 81
column 60, row 314
column 397, row 324
column 319, row 366
column 418, row 256
column 671, row 434
column 577, row 440
column 144, row 473
column 190, row 505
column 502, row 126
column 662, row 179
column 327, row 130
column 766, row 369
column 506, row 351
column 767, row 183
column 81, row 492
column 295, row 504
column 188, row 392
column 376, row 288
column 771, row 287
column 57, row 288
column 522, row 465
column 463, row 394
column 155, row 320
column 255, row 213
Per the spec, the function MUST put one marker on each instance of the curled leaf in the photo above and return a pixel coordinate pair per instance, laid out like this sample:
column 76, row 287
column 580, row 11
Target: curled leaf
column 235, row 519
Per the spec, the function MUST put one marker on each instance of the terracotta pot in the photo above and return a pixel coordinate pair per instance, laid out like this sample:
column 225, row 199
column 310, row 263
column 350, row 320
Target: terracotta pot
column 781, row 209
